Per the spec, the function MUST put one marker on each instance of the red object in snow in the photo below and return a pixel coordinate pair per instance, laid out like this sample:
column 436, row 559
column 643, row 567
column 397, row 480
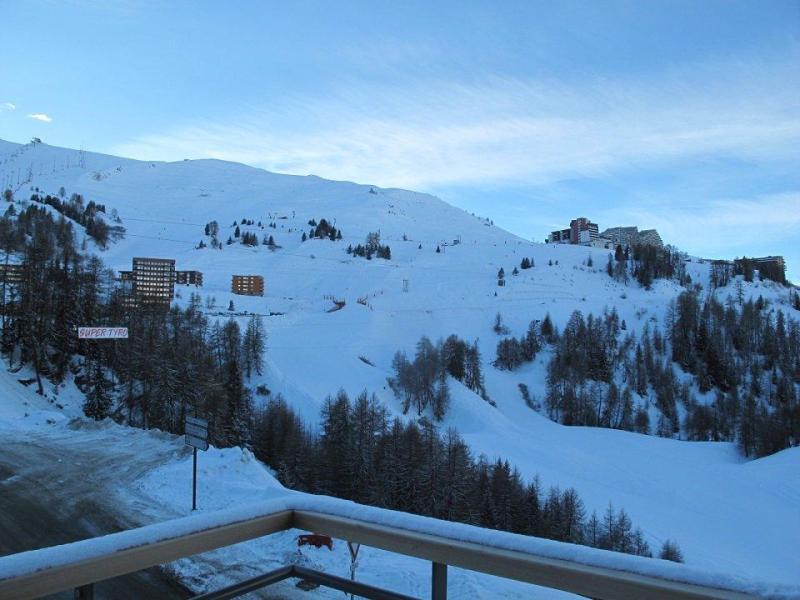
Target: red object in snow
column 317, row 540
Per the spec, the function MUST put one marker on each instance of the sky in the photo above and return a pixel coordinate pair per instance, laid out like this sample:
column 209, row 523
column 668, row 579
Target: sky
column 683, row 116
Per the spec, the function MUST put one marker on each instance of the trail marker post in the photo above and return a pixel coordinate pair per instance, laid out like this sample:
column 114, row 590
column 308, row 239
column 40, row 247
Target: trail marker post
column 196, row 436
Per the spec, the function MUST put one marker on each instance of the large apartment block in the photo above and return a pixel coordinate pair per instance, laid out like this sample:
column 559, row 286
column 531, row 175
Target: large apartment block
column 581, row 231
column 152, row 280
column 248, row 285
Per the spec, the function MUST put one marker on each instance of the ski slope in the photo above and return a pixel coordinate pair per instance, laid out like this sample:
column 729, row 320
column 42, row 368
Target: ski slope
column 726, row 514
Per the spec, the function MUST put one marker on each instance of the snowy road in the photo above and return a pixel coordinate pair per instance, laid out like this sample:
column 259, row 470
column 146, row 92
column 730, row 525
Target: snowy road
column 59, row 489
column 61, row 483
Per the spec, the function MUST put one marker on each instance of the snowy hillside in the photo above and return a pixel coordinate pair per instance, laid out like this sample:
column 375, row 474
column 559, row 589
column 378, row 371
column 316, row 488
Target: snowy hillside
column 150, row 482
column 726, row 513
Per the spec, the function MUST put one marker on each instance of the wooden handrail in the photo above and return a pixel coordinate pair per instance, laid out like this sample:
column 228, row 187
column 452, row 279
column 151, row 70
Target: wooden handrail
column 594, row 581
column 71, row 575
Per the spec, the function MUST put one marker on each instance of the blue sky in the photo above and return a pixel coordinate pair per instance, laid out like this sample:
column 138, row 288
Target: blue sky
column 683, row 116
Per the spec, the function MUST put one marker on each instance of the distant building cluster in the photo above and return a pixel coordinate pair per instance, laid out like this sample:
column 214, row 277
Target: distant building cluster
column 583, row 232
column 151, row 281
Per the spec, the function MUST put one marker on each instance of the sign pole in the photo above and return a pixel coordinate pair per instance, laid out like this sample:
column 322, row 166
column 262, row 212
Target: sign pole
column 353, row 547
column 196, row 436
column 194, row 481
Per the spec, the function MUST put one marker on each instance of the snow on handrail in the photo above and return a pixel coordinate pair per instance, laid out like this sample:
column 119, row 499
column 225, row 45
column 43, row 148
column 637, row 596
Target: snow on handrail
column 525, row 558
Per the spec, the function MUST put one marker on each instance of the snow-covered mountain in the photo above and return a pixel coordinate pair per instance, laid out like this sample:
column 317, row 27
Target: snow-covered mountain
column 726, row 513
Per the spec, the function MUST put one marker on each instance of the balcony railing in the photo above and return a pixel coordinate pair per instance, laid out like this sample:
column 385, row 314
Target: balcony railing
column 584, row 571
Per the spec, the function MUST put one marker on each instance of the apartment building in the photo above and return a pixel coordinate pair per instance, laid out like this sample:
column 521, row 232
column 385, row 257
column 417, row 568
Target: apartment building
column 631, row 236
column 248, row 285
column 152, row 280
column 581, row 231
column 189, row 278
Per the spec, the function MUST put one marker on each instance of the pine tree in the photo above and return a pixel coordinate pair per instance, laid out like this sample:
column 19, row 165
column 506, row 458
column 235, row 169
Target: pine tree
column 671, row 551
column 473, row 376
column 547, row 329
column 253, row 343
column 336, row 446
column 237, row 411
column 530, row 343
column 441, row 396
column 97, row 404
column 748, row 424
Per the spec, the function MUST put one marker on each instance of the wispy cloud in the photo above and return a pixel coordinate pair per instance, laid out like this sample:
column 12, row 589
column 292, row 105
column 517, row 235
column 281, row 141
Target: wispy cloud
column 41, row 117
column 429, row 133
column 7, row 106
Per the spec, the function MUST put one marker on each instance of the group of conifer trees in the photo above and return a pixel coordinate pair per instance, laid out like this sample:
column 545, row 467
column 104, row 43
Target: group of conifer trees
column 322, row 230
column 361, row 454
column 422, row 383
column 742, row 361
column 86, row 214
column 645, row 263
column 174, row 362
column 748, row 355
column 372, row 247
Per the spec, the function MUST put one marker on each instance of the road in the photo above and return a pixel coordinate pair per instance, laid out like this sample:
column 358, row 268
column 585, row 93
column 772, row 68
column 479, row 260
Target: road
column 59, row 489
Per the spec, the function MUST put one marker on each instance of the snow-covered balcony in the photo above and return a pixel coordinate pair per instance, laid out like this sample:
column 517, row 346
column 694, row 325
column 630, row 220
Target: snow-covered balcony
column 571, row 568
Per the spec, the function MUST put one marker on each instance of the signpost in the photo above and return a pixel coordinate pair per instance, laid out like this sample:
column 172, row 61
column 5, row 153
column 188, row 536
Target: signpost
column 103, row 333
column 196, row 431
column 353, row 547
